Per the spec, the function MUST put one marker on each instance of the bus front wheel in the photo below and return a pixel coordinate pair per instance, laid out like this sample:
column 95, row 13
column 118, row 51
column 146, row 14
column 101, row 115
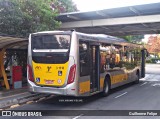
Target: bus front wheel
column 137, row 78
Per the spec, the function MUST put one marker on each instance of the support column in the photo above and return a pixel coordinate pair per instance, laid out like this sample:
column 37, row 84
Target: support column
column 3, row 69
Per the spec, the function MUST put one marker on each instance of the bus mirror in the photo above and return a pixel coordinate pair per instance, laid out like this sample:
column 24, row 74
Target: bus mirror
column 84, row 46
column 146, row 52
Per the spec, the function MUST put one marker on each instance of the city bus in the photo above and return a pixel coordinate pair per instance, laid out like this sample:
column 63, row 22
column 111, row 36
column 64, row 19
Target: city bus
column 78, row 64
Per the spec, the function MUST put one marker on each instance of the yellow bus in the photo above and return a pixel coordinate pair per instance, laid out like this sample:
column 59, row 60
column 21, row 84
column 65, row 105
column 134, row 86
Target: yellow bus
column 78, row 64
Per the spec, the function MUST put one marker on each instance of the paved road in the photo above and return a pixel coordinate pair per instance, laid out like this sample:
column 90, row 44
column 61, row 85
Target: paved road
column 153, row 69
column 142, row 96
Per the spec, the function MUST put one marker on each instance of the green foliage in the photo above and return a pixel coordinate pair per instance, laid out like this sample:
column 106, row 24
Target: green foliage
column 133, row 38
column 65, row 6
column 149, row 61
column 152, row 60
column 129, row 65
column 69, row 5
column 127, row 38
column 21, row 17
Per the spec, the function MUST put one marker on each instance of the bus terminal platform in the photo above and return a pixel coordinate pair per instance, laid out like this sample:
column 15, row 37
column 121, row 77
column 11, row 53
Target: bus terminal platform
column 13, row 98
column 13, row 72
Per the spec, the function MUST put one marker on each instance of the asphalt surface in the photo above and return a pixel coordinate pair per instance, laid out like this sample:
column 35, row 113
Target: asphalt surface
column 153, row 69
column 142, row 96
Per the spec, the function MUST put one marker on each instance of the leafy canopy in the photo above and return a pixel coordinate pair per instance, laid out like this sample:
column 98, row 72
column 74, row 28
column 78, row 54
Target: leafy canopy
column 133, row 38
column 21, row 17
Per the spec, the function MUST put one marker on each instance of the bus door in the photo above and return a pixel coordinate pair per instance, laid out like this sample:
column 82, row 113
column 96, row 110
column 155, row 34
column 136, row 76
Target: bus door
column 94, row 68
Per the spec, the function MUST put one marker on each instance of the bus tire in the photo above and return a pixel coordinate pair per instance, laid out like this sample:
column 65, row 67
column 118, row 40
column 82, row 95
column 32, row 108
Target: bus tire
column 106, row 87
column 137, row 78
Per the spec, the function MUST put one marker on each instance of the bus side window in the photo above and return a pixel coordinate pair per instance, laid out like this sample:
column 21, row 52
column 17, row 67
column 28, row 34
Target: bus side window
column 117, row 56
column 131, row 58
column 84, row 59
column 113, row 60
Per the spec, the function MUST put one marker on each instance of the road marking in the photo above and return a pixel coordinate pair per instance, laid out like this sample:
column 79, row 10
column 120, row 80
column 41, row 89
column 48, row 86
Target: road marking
column 156, row 84
column 14, row 106
column 40, row 99
column 143, row 83
column 51, row 96
column 29, row 102
column 77, row 116
column 121, row 95
column 12, row 95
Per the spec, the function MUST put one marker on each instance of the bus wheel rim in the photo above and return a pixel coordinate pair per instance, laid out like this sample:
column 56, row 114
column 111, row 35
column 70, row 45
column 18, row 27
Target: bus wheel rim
column 106, row 89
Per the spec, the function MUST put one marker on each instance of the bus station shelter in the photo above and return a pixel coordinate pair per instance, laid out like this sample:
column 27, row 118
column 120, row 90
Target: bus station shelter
column 122, row 21
column 11, row 45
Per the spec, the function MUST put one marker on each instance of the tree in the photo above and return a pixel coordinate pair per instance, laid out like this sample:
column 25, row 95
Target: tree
column 21, row 17
column 127, row 38
column 153, row 44
column 64, row 6
column 133, row 38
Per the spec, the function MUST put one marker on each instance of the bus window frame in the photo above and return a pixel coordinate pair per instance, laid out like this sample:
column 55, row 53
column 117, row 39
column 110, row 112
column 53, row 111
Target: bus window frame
column 88, row 58
column 68, row 52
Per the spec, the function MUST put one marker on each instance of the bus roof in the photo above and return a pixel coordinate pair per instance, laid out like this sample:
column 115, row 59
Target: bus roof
column 107, row 39
column 95, row 37
column 50, row 32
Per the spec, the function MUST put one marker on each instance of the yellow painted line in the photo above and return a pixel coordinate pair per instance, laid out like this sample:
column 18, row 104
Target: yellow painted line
column 29, row 102
column 12, row 95
column 14, row 106
column 50, row 97
column 42, row 99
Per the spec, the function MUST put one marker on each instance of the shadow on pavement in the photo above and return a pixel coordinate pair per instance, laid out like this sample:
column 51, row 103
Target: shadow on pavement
column 76, row 101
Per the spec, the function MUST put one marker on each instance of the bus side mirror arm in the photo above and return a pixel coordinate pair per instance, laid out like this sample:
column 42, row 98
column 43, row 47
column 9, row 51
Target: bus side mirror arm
column 146, row 52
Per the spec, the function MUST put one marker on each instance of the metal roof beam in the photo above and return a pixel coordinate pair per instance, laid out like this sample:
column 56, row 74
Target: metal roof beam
column 73, row 17
column 133, row 31
column 144, row 25
column 135, row 11
column 151, row 29
column 112, row 21
column 102, row 14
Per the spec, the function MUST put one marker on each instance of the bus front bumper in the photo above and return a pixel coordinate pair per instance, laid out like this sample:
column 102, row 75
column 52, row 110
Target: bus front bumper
column 67, row 90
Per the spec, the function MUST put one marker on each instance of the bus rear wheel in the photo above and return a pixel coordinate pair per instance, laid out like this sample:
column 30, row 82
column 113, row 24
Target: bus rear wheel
column 137, row 78
column 106, row 87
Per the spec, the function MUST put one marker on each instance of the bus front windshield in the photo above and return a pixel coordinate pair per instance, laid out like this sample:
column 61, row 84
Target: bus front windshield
column 50, row 48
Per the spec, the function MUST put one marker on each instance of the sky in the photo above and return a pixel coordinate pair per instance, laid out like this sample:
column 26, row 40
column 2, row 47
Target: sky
column 90, row 5
column 147, row 36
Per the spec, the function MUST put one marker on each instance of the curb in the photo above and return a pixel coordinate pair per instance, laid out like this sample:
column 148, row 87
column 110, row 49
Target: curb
column 23, row 100
column 12, row 92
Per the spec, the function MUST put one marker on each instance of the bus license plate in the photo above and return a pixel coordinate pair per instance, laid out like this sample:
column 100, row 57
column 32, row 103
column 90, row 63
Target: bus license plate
column 48, row 81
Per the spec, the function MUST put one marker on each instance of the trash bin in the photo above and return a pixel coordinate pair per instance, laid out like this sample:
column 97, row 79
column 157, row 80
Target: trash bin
column 17, row 77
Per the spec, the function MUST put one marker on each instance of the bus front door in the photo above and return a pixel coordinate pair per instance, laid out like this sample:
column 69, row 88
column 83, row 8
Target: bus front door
column 94, row 68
